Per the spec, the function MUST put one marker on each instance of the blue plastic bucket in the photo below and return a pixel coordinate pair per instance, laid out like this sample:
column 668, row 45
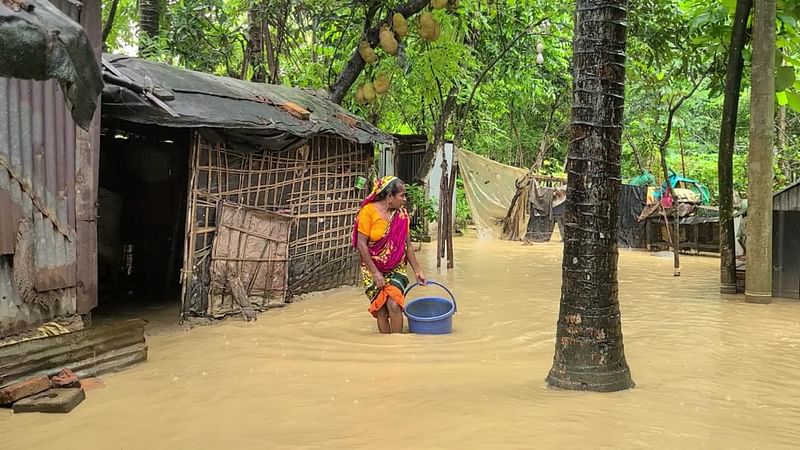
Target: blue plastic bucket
column 430, row 315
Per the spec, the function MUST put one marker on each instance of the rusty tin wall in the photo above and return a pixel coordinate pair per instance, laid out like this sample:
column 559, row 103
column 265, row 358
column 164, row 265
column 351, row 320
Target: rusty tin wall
column 788, row 199
column 37, row 173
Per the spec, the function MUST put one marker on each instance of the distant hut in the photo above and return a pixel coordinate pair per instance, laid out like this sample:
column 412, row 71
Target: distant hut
column 786, row 242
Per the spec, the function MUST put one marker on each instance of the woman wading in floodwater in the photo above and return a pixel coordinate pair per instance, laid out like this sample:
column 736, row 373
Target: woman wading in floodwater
column 382, row 236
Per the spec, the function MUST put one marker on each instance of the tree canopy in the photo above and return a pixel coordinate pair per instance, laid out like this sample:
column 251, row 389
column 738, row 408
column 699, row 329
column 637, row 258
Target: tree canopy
column 507, row 63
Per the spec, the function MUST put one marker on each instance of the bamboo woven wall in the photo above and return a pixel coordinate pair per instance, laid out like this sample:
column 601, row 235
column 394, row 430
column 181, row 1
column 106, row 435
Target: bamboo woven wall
column 313, row 183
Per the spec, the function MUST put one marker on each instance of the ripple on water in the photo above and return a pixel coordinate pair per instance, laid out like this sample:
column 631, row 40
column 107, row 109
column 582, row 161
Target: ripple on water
column 711, row 371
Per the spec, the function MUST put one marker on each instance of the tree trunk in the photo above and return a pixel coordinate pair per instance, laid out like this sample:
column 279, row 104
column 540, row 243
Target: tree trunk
column 589, row 353
column 516, row 140
column 676, row 239
column 112, row 14
column 149, row 17
column 727, row 139
column 758, row 284
column 544, row 144
column 635, row 152
column 438, row 135
column 255, row 45
column 780, row 145
column 261, row 42
column 662, row 150
column 683, row 160
column 273, row 62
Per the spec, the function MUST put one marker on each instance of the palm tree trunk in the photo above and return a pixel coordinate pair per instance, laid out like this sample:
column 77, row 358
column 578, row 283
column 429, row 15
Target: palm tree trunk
column 758, row 282
column 149, row 18
column 589, row 353
column 727, row 139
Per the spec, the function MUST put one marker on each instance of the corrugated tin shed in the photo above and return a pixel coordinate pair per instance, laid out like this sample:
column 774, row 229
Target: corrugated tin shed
column 786, row 242
column 788, row 198
column 40, row 170
column 153, row 93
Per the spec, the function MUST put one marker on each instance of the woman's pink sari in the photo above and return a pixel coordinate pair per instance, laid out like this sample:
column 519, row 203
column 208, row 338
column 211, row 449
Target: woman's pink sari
column 390, row 251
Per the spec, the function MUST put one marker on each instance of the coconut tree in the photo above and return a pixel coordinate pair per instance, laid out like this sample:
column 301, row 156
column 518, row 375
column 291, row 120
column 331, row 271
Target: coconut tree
column 149, row 19
column 589, row 354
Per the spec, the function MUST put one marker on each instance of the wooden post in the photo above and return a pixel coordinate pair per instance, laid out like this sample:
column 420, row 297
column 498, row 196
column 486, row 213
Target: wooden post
column 451, row 193
column 440, row 236
column 87, row 167
column 676, row 269
column 683, row 161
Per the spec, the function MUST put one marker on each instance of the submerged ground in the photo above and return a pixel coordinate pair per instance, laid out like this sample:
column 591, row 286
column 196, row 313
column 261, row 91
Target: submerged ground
column 711, row 372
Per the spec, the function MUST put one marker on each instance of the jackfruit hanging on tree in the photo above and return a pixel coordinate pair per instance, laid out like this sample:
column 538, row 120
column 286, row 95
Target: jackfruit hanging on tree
column 387, row 40
column 381, row 84
column 366, row 52
column 429, row 29
column 399, row 25
column 369, row 92
column 360, row 96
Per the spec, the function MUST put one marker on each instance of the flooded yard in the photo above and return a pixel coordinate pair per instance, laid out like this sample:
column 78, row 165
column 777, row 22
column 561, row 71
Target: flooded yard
column 710, row 371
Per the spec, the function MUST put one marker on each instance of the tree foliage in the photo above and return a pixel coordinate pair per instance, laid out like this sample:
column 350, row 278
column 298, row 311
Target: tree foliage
column 508, row 106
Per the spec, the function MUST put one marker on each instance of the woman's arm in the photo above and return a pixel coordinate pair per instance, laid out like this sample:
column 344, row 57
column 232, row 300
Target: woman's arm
column 363, row 250
column 412, row 258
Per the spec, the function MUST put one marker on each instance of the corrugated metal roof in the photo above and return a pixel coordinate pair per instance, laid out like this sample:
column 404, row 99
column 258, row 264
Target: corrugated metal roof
column 788, row 198
column 153, row 93
column 787, row 188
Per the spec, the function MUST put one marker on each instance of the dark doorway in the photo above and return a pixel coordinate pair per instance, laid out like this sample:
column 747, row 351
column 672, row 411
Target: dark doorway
column 141, row 223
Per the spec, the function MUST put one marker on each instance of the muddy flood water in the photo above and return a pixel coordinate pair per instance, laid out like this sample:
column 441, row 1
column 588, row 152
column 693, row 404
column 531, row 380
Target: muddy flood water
column 710, row 372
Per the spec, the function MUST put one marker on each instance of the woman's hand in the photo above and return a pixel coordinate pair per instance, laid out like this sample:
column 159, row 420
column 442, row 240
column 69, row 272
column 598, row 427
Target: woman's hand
column 380, row 282
column 412, row 258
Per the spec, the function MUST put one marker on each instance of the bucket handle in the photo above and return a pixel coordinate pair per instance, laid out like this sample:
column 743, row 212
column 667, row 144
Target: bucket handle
column 452, row 297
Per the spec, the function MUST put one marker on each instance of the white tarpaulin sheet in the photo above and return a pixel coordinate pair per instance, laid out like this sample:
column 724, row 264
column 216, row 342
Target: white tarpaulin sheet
column 490, row 186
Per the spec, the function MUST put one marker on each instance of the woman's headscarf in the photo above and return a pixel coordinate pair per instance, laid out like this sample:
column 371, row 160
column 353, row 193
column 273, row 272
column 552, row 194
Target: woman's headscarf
column 380, row 186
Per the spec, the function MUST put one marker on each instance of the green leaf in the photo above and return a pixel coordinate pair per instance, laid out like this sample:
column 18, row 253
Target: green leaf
column 730, row 4
column 794, row 100
column 781, row 98
column 784, row 78
column 788, row 20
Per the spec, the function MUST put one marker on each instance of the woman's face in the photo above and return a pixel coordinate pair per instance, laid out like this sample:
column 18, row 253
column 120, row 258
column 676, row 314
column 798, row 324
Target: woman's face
column 398, row 199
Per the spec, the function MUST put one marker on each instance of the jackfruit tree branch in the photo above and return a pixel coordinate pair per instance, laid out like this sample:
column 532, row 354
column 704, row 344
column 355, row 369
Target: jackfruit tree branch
column 355, row 65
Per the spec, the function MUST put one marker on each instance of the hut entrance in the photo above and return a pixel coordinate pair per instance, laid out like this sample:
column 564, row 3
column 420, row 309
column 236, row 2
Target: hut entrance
column 141, row 223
